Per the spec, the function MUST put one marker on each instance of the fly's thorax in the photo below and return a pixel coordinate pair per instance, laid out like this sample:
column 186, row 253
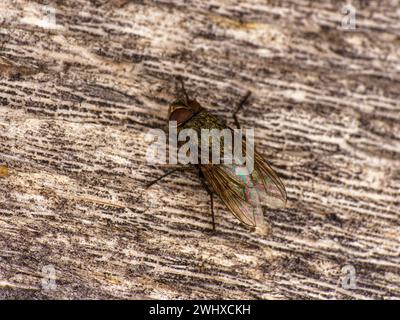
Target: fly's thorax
column 209, row 132
column 202, row 120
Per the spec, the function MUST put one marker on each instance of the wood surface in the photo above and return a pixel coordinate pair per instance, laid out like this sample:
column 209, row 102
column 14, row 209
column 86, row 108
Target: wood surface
column 78, row 96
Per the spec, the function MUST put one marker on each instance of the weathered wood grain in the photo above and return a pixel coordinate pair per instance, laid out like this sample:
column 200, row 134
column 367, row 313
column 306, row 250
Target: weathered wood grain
column 78, row 97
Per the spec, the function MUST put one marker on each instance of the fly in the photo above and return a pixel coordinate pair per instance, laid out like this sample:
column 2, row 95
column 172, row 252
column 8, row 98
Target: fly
column 243, row 195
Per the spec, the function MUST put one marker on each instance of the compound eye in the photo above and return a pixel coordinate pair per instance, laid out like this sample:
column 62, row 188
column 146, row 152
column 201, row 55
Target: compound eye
column 180, row 115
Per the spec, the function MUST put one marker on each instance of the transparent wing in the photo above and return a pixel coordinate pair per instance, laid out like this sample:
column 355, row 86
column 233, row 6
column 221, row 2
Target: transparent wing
column 244, row 194
column 237, row 192
column 271, row 190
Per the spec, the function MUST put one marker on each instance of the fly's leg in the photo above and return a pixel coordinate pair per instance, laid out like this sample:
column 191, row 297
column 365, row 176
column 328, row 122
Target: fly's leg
column 240, row 107
column 182, row 89
column 203, row 181
column 148, row 185
column 180, row 168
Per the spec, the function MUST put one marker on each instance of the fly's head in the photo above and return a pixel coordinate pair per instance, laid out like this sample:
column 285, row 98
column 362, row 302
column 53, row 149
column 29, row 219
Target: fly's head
column 183, row 109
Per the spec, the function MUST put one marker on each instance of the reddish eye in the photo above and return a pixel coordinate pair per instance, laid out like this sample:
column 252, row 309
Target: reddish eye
column 180, row 115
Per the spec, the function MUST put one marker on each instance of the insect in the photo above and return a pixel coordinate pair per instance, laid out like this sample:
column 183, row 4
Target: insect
column 243, row 195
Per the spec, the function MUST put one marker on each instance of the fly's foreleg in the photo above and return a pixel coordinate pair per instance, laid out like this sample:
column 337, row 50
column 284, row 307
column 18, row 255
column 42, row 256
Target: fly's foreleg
column 240, row 107
column 182, row 91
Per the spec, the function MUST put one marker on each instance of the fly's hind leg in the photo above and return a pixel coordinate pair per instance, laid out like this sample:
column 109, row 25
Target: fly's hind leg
column 240, row 107
column 210, row 193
